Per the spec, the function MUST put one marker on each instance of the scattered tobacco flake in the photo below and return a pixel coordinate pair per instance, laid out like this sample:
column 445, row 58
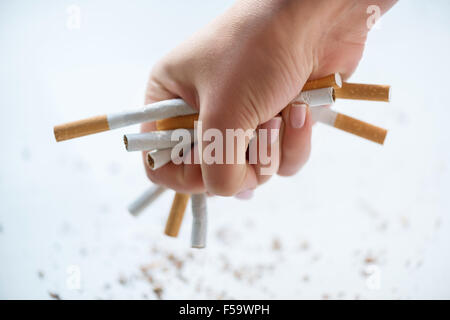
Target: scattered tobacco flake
column 305, row 278
column 146, row 273
column 41, row 274
column 370, row 260
column 237, row 274
column 304, row 245
column 226, row 266
column 158, row 291
column 178, row 263
column 325, row 296
column 276, row 244
column 54, row 296
column 221, row 296
column 122, row 280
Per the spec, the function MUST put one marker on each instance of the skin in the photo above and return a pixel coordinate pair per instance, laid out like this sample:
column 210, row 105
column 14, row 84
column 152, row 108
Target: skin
column 245, row 67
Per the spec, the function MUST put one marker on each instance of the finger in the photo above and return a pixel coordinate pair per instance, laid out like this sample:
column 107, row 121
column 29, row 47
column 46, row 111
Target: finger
column 224, row 166
column 296, row 139
column 245, row 195
column 185, row 177
column 264, row 150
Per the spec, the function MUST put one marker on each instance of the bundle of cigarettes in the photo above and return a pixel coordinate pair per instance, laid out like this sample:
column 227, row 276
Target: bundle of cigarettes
column 176, row 113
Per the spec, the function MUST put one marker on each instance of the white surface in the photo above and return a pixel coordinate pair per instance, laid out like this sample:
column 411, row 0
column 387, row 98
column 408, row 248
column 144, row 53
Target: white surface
column 63, row 206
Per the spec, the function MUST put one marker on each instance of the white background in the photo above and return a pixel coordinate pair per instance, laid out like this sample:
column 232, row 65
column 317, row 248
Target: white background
column 356, row 207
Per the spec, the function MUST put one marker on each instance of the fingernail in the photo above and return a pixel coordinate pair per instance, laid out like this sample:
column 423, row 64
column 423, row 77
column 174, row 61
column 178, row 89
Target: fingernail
column 273, row 129
column 244, row 195
column 297, row 115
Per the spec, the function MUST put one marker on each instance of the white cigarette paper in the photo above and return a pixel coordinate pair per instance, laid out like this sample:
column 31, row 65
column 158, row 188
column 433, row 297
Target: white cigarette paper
column 316, row 97
column 199, row 221
column 324, row 115
column 156, row 140
column 145, row 199
column 151, row 112
column 158, row 158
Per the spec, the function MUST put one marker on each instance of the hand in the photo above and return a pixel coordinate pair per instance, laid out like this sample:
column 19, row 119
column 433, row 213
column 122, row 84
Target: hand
column 244, row 68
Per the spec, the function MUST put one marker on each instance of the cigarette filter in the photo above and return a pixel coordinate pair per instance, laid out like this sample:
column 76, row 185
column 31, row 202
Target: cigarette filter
column 186, row 122
column 349, row 124
column 199, row 222
column 145, row 199
column 152, row 140
column 177, row 210
column 333, row 80
column 316, row 97
column 358, row 91
column 158, row 158
column 151, row 112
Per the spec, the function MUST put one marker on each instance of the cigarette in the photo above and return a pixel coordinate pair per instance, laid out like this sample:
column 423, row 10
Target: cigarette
column 316, row 97
column 153, row 140
column 145, row 199
column 151, row 112
column 333, row 80
column 358, row 91
column 158, row 158
column 177, row 210
column 199, row 222
column 349, row 124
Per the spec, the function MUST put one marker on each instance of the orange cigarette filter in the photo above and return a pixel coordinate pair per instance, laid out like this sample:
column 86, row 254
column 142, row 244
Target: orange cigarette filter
column 333, row 80
column 359, row 91
column 186, row 122
column 176, row 215
column 81, row 128
column 360, row 128
column 151, row 112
